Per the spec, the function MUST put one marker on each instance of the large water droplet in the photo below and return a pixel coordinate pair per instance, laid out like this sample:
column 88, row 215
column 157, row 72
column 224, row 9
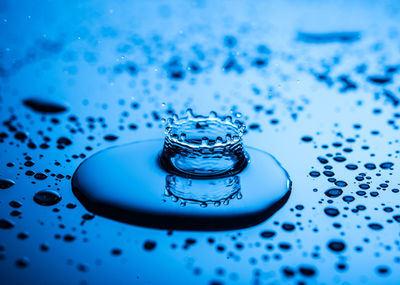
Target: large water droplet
column 6, row 183
column 47, row 197
column 44, row 106
column 6, row 224
column 136, row 185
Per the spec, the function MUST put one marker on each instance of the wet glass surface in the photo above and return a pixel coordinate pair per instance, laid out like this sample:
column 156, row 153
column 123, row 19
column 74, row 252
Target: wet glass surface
column 316, row 84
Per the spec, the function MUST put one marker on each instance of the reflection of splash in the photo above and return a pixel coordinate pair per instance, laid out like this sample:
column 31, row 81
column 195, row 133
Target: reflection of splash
column 203, row 192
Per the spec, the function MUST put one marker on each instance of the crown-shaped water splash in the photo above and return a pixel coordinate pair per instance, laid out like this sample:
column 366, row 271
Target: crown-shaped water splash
column 224, row 129
column 199, row 146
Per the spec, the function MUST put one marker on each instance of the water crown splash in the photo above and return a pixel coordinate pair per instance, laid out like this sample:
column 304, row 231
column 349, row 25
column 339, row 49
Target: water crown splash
column 203, row 146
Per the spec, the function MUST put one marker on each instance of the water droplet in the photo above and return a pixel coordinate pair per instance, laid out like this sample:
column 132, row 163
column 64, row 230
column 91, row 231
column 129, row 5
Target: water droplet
column 6, row 224
column 333, row 192
column 331, row 212
column 386, row 165
column 336, row 245
column 267, row 234
column 375, row 226
column 198, row 186
column 47, row 197
column 149, row 245
column 6, row 183
column 22, row 262
column 44, row 106
column 110, row 138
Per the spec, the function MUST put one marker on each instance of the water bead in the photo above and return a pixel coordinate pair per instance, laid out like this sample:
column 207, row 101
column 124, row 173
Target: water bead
column 200, row 177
